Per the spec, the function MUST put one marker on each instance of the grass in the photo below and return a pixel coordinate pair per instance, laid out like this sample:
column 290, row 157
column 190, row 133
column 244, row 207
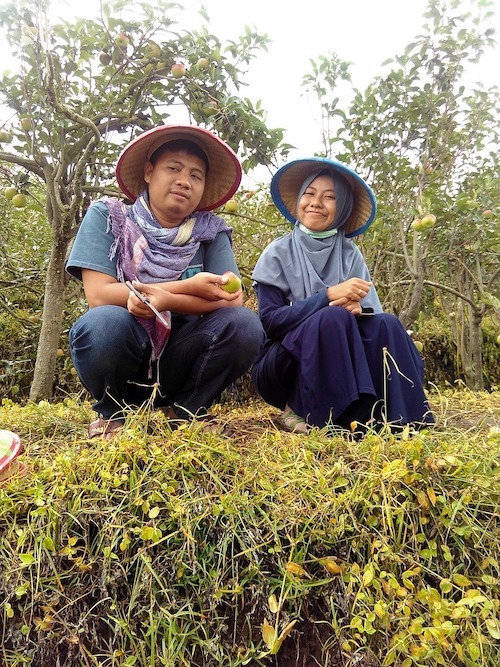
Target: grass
column 256, row 547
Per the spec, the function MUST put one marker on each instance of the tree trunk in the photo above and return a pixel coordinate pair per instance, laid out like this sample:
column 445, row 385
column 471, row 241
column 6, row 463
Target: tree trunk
column 53, row 308
column 473, row 368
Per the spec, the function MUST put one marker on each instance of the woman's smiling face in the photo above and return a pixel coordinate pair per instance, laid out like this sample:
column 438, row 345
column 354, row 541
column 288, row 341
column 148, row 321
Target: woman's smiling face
column 317, row 206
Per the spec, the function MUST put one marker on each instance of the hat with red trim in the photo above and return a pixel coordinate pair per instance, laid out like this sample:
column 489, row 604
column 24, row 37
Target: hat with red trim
column 224, row 172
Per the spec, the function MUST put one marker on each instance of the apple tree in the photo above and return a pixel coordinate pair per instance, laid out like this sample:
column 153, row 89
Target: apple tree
column 82, row 88
column 427, row 143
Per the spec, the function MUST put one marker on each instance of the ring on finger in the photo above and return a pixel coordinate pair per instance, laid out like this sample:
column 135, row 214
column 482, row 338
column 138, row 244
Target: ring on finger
column 360, row 291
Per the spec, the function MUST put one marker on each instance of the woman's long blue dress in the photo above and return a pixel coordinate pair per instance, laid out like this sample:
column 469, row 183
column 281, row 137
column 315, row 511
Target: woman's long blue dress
column 332, row 367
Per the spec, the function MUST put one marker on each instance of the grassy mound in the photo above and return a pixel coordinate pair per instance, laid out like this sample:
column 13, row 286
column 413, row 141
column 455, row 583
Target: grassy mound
column 251, row 547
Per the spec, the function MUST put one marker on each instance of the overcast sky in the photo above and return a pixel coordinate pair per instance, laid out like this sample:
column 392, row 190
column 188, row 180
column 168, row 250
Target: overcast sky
column 364, row 32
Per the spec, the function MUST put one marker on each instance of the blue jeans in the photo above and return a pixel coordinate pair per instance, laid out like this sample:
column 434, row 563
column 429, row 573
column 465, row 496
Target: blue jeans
column 111, row 354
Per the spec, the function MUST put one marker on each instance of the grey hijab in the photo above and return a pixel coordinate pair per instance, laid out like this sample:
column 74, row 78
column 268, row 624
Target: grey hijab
column 301, row 265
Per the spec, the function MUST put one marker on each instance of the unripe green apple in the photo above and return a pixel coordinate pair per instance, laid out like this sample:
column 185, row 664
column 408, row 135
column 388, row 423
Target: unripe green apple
column 10, row 192
column 210, row 108
column 417, row 225
column 19, row 200
column 202, row 63
column 152, row 50
column 178, row 70
column 231, row 206
column 5, row 137
column 26, row 123
column 429, row 221
column 233, row 283
column 122, row 40
column 419, row 345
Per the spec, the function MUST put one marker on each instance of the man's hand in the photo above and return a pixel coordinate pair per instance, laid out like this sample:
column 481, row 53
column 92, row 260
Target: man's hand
column 208, row 286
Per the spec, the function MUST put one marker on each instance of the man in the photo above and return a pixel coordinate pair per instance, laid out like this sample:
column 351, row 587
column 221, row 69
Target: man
column 191, row 338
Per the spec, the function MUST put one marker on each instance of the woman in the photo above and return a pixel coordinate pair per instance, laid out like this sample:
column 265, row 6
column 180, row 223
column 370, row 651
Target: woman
column 168, row 335
column 331, row 355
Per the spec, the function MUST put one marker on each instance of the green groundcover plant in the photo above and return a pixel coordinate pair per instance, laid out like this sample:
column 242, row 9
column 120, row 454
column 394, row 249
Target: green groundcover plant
column 251, row 546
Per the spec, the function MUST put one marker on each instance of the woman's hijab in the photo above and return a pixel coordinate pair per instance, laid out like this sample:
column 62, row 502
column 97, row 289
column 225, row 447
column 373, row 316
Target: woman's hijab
column 304, row 262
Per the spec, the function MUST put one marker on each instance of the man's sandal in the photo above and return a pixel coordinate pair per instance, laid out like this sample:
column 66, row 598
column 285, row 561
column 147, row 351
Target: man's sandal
column 104, row 428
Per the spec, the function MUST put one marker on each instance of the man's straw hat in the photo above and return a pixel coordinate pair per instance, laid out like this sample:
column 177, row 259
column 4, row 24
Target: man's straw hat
column 224, row 173
column 288, row 180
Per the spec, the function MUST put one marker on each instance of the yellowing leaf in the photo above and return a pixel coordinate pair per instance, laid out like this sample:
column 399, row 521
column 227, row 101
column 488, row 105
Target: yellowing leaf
column 368, row 574
column 45, row 624
column 27, row 559
column 445, row 585
column 268, row 634
column 431, row 494
column 48, row 543
column 295, row 568
column 153, row 512
column 273, row 604
column 332, row 566
column 283, row 635
column 493, row 628
column 422, row 499
column 460, row 580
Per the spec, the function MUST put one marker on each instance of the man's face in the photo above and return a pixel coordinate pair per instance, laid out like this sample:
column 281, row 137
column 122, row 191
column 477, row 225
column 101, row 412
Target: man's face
column 176, row 183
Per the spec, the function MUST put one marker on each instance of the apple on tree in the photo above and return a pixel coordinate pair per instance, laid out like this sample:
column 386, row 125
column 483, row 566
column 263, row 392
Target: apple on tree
column 231, row 206
column 178, row 70
column 122, row 40
column 5, row 137
column 19, row 200
column 152, row 50
column 428, row 221
column 210, row 108
column 9, row 192
column 26, row 123
column 104, row 58
column 231, row 282
column 202, row 63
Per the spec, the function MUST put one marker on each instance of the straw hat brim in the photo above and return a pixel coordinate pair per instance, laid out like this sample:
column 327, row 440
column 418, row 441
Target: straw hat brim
column 288, row 180
column 224, row 173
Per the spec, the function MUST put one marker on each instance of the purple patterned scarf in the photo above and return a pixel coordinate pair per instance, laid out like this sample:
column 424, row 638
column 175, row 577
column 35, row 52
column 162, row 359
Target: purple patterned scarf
column 147, row 252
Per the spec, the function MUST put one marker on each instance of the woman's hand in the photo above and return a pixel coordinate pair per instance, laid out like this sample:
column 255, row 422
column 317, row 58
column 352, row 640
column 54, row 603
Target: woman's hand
column 353, row 289
column 348, row 294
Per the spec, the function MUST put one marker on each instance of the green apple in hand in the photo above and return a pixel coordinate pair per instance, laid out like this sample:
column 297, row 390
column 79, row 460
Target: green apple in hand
column 232, row 284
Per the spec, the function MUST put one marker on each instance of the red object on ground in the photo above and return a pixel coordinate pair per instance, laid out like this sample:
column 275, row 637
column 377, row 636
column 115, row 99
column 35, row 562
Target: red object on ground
column 10, row 446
